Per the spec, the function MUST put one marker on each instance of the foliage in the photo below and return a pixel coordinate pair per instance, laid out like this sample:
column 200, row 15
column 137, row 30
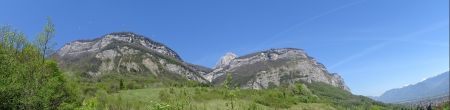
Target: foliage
column 444, row 106
column 28, row 80
column 285, row 97
column 229, row 93
column 12, row 39
column 345, row 100
column 299, row 96
column 43, row 41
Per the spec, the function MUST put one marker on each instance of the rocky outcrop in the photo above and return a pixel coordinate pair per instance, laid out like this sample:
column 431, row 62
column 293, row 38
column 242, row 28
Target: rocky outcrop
column 129, row 53
column 83, row 46
column 273, row 67
column 225, row 60
column 124, row 53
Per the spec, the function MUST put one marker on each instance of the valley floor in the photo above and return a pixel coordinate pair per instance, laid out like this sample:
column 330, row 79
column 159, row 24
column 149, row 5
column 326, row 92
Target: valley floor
column 218, row 98
column 151, row 98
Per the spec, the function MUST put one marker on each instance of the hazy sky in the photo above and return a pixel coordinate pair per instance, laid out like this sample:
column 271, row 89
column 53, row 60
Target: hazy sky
column 375, row 45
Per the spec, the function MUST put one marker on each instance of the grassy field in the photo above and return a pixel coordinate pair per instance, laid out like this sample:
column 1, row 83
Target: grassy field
column 217, row 98
column 132, row 93
column 208, row 99
column 115, row 93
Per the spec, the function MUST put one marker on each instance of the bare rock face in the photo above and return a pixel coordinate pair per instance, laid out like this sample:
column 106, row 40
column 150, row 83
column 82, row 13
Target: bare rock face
column 225, row 60
column 129, row 53
column 272, row 68
column 124, row 53
column 83, row 46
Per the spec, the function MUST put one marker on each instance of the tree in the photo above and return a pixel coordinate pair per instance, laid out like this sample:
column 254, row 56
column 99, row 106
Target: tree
column 227, row 83
column 5, row 31
column 12, row 38
column 230, row 94
column 43, row 41
column 26, row 82
column 20, row 41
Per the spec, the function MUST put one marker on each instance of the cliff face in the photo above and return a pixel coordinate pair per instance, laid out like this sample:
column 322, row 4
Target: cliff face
column 273, row 67
column 124, row 53
column 83, row 46
column 129, row 53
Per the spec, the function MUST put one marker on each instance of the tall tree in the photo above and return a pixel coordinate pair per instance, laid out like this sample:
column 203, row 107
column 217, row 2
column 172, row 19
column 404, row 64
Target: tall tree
column 44, row 38
column 11, row 38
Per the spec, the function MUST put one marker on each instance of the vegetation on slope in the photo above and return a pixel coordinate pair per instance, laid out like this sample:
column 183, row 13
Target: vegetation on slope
column 298, row 97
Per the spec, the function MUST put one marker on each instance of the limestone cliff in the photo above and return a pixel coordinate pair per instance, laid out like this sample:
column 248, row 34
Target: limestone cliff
column 124, row 53
column 272, row 68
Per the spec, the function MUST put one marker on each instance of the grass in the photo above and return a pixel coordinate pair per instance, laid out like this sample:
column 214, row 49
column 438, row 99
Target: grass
column 207, row 100
column 109, row 94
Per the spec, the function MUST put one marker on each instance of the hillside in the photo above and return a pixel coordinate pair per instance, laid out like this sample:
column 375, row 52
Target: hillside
column 436, row 86
column 274, row 67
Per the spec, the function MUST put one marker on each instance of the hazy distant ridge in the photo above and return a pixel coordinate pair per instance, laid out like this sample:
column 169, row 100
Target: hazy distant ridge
column 431, row 87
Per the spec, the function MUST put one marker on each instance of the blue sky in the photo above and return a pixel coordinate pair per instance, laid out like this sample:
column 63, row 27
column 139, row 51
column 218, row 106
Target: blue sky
column 375, row 45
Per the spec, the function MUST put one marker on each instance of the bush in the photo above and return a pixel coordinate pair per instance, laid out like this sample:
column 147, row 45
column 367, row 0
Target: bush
column 28, row 80
column 30, row 83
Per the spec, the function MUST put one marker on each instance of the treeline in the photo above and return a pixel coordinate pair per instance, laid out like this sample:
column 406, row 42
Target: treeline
column 28, row 79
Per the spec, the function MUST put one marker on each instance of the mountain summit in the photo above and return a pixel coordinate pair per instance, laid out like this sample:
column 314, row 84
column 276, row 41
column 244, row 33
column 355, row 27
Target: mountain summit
column 82, row 46
column 124, row 53
column 225, row 60
column 273, row 67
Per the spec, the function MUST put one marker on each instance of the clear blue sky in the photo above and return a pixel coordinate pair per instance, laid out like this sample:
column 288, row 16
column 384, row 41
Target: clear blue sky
column 374, row 44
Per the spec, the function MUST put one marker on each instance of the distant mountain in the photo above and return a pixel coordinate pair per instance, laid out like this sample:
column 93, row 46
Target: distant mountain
column 126, row 53
column 437, row 86
column 273, row 67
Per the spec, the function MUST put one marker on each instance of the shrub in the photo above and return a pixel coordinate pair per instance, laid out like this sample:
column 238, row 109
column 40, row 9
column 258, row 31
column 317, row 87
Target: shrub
column 29, row 83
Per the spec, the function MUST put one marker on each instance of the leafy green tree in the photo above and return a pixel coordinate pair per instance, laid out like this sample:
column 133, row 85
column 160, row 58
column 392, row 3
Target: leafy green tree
column 230, row 94
column 12, row 39
column 44, row 38
column 5, row 33
column 27, row 80
column 227, row 83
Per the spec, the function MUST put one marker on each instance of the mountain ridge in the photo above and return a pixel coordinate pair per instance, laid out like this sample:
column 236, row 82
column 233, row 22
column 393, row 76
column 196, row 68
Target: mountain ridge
column 275, row 66
column 123, row 53
column 433, row 86
column 127, row 52
column 131, row 36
